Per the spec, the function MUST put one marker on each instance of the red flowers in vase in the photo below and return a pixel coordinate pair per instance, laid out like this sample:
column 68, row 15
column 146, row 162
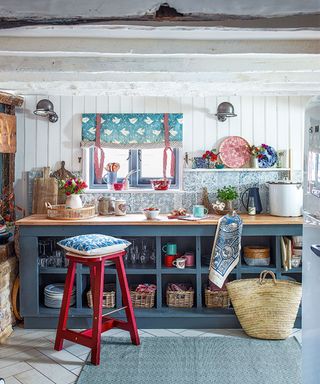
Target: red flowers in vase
column 73, row 186
column 258, row 152
column 211, row 156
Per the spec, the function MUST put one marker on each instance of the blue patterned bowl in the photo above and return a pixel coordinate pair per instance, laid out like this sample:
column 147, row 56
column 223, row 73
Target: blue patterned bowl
column 269, row 159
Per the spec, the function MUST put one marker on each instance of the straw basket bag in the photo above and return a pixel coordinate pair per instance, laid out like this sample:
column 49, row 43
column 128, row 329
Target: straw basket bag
column 266, row 309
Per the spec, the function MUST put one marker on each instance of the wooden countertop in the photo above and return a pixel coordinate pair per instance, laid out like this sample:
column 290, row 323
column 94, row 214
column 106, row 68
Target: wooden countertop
column 139, row 219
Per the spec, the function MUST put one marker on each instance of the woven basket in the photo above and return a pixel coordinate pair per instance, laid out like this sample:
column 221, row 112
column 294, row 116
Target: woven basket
column 60, row 212
column 180, row 299
column 256, row 255
column 108, row 299
column 266, row 309
column 142, row 299
column 216, row 299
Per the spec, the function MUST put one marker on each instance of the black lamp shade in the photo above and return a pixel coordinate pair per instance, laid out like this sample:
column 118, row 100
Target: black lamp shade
column 45, row 109
column 224, row 111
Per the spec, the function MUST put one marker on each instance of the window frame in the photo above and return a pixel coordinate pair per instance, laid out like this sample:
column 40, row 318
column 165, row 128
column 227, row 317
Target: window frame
column 135, row 180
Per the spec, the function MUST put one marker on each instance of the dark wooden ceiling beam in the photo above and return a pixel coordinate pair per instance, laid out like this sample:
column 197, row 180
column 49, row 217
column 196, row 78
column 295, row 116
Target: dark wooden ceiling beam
column 174, row 18
column 10, row 99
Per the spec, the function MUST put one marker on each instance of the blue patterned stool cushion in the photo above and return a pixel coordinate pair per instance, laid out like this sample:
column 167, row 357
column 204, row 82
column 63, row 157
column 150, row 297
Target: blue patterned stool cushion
column 93, row 245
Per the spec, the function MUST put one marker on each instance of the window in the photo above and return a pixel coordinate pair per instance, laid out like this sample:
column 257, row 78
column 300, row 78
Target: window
column 147, row 163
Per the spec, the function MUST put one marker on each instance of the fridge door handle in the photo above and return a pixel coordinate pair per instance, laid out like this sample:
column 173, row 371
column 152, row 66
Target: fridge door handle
column 316, row 249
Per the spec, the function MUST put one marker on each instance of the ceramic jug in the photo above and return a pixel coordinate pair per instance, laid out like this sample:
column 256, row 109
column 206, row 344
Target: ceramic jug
column 252, row 192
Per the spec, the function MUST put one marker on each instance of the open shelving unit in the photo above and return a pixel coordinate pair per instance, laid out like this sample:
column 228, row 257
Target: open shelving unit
column 198, row 238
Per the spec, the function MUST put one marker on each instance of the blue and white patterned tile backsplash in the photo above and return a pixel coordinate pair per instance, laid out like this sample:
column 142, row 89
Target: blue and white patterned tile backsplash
column 193, row 184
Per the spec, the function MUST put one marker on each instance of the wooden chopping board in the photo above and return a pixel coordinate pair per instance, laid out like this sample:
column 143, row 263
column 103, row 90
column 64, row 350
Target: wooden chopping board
column 8, row 142
column 45, row 189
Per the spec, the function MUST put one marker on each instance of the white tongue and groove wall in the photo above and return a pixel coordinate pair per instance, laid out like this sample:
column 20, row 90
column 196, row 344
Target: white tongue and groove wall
column 275, row 120
column 268, row 76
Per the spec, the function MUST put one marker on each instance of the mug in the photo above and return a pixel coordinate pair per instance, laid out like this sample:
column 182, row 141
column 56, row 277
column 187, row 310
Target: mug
column 199, row 211
column 180, row 262
column 120, row 207
column 168, row 260
column 110, row 177
column 190, row 259
column 170, row 249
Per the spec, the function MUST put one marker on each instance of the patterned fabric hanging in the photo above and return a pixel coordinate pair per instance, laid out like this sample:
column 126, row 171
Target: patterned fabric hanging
column 132, row 130
column 226, row 248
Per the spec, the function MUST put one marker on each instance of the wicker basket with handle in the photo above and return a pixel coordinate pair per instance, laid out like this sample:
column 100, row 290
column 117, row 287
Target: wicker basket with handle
column 108, row 299
column 266, row 309
column 216, row 299
column 180, row 299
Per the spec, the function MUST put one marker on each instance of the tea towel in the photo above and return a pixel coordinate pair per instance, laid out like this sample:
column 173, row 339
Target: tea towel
column 226, row 248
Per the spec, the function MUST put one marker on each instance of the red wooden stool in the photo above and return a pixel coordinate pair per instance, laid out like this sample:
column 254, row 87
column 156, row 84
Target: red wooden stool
column 100, row 323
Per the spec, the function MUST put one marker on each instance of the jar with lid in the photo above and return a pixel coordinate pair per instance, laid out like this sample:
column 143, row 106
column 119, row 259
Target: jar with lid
column 106, row 206
column 251, row 206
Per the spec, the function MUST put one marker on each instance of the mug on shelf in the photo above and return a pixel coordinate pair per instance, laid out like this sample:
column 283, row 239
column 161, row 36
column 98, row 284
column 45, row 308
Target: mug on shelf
column 170, row 249
column 190, row 259
column 120, row 207
column 199, row 211
column 168, row 260
column 110, row 177
column 180, row 262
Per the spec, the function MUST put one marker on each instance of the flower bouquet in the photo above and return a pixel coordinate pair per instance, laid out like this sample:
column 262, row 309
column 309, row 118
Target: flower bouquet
column 73, row 187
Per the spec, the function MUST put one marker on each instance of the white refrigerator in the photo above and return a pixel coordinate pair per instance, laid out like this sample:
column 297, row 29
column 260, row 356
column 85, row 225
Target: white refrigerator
column 311, row 247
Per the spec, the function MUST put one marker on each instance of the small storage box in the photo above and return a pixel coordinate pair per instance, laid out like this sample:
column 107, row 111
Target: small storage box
column 216, row 299
column 180, row 299
column 109, row 297
column 142, row 299
column 255, row 255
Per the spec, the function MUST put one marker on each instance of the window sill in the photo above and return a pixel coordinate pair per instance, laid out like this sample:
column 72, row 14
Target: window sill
column 132, row 190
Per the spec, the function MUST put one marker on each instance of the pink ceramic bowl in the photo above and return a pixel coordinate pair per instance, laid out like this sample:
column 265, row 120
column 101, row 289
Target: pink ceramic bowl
column 161, row 184
column 118, row 186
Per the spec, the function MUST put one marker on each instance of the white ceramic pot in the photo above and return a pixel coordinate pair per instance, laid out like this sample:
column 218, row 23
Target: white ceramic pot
column 74, row 201
column 254, row 163
column 285, row 198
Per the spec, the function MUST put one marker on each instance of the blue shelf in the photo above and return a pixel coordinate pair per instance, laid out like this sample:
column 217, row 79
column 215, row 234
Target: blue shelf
column 251, row 269
column 177, row 271
column 52, row 271
column 292, row 270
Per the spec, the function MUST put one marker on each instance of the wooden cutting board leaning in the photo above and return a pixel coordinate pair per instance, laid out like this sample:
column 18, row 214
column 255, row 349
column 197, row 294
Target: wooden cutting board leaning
column 45, row 189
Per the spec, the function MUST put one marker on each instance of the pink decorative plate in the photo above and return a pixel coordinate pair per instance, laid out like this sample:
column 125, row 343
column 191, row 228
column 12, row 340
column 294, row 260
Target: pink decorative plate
column 234, row 152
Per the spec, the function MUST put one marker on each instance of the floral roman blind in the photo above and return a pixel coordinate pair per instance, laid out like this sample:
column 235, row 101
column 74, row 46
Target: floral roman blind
column 131, row 130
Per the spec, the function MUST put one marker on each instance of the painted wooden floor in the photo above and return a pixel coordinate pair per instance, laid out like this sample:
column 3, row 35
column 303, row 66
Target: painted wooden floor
column 28, row 357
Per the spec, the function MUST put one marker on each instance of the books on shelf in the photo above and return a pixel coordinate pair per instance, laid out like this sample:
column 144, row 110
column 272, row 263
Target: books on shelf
column 291, row 252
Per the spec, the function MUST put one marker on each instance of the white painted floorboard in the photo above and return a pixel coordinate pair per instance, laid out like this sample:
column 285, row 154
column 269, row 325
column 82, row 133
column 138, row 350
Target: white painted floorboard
column 28, row 357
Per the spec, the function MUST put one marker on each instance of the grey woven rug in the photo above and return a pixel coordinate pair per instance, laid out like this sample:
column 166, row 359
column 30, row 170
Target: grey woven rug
column 196, row 360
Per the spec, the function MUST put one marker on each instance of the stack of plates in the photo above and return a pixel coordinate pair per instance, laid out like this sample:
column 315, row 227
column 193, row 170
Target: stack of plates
column 53, row 294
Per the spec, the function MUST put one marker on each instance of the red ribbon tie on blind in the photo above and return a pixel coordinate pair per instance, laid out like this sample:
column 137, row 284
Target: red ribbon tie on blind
column 98, row 163
column 167, row 148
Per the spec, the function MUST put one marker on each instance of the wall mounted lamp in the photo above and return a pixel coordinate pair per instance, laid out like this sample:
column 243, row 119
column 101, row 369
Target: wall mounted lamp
column 45, row 108
column 224, row 111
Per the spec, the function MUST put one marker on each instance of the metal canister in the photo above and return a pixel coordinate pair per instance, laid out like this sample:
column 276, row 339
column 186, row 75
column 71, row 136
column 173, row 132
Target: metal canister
column 106, row 206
